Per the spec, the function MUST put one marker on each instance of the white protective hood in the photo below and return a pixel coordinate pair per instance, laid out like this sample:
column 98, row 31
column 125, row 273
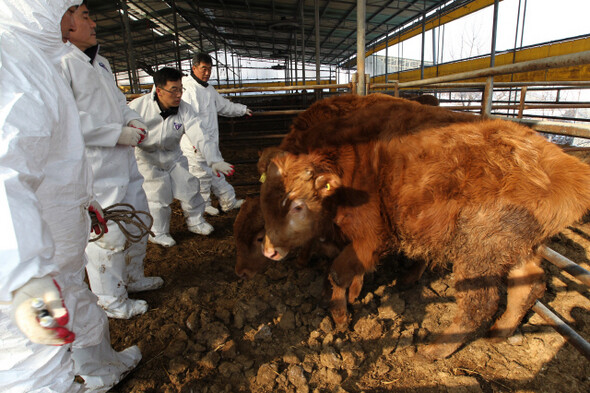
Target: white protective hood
column 37, row 21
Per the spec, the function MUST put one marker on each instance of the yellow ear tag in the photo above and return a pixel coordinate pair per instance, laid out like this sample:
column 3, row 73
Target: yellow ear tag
column 262, row 178
column 328, row 186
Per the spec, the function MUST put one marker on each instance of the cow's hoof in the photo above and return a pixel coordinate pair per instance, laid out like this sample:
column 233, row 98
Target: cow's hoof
column 341, row 327
column 340, row 317
column 434, row 352
column 495, row 339
column 496, row 336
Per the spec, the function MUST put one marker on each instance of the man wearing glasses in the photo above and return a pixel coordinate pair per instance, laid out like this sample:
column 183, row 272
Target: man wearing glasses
column 160, row 159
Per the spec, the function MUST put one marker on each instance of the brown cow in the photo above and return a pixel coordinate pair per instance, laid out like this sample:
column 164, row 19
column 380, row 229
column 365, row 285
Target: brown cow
column 482, row 195
column 249, row 224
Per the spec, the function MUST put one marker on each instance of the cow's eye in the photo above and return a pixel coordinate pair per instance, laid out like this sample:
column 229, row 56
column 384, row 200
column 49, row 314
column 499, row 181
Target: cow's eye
column 297, row 206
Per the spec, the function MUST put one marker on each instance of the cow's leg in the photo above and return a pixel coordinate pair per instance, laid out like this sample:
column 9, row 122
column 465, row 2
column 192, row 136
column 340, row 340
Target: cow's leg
column 525, row 286
column 338, row 304
column 355, row 288
column 342, row 273
column 477, row 297
column 416, row 272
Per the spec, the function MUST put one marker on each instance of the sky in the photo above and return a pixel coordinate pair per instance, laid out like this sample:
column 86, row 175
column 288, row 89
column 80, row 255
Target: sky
column 546, row 20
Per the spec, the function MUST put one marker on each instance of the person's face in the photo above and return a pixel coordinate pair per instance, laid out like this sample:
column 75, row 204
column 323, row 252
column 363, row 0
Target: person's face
column 84, row 35
column 170, row 95
column 68, row 23
column 202, row 71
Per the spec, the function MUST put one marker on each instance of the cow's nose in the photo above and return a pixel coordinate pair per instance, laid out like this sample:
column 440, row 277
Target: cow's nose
column 271, row 253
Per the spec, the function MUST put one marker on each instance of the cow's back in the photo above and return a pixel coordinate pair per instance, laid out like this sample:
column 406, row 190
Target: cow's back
column 438, row 180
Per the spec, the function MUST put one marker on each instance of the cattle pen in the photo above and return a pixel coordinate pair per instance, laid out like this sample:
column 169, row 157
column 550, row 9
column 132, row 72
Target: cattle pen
column 208, row 330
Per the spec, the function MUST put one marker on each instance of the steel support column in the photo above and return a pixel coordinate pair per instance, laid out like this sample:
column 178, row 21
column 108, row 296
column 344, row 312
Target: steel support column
column 361, row 10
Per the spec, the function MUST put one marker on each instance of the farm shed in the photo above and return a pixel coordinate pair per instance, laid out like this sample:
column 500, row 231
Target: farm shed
column 209, row 331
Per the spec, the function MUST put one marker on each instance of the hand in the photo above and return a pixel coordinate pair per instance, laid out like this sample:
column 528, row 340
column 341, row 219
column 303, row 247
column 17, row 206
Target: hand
column 222, row 167
column 135, row 123
column 130, row 136
column 100, row 227
column 248, row 112
column 40, row 313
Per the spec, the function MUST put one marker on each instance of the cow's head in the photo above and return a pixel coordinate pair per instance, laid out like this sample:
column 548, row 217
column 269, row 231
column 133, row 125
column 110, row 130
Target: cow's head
column 295, row 201
column 249, row 235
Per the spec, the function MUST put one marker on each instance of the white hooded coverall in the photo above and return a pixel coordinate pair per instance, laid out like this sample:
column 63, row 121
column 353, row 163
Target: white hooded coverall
column 209, row 104
column 163, row 166
column 45, row 188
column 103, row 111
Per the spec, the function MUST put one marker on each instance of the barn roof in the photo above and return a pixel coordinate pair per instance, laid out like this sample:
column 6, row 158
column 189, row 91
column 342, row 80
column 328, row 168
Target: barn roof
column 268, row 29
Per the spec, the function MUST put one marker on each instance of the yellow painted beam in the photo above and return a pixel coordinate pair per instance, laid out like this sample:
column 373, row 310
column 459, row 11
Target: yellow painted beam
column 577, row 73
column 435, row 21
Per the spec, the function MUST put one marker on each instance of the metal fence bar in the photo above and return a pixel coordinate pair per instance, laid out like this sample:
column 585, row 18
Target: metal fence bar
column 562, row 328
column 481, row 85
column 286, row 88
column 567, row 265
column 573, row 59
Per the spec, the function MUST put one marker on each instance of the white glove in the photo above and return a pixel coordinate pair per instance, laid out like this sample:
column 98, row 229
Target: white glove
column 130, row 136
column 248, row 112
column 139, row 125
column 40, row 313
column 101, row 226
column 222, row 167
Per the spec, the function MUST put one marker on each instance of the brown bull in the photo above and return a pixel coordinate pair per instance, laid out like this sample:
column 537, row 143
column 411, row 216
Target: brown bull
column 482, row 195
column 304, row 136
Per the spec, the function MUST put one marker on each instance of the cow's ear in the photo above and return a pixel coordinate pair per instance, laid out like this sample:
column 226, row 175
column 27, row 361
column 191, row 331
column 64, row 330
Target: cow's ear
column 326, row 184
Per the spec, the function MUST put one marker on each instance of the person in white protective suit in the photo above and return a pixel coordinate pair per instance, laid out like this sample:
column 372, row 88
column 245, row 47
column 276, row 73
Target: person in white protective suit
column 51, row 327
column 111, row 130
column 209, row 103
column 160, row 159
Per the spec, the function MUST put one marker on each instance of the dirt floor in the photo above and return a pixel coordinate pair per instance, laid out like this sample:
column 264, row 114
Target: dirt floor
column 209, row 331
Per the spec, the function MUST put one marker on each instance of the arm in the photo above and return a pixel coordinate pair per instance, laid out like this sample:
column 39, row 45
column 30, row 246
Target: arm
column 194, row 132
column 27, row 245
column 227, row 108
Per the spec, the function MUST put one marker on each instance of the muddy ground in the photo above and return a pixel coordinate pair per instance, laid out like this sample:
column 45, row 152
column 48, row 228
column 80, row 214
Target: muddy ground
column 209, row 331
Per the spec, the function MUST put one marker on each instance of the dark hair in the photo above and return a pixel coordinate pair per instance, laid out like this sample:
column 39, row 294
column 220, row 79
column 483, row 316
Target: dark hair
column 202, row 58
column 84, row 2
column 163, row 75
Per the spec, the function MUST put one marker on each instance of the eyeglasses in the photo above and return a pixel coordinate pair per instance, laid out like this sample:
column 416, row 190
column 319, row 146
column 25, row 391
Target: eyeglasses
column 174, row 91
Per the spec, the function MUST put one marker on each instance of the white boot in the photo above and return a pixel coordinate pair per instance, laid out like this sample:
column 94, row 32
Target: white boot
column 101, row 366
column 203, row 228
column 197, row 224
column 232, row 204
column 107, row 278
column 136, row 279
column 124, row 310
column 212, row 211
column 163, row 239
column 144, row 284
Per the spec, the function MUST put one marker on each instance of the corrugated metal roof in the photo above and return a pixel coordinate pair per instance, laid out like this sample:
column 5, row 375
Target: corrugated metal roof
column 269, row 29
